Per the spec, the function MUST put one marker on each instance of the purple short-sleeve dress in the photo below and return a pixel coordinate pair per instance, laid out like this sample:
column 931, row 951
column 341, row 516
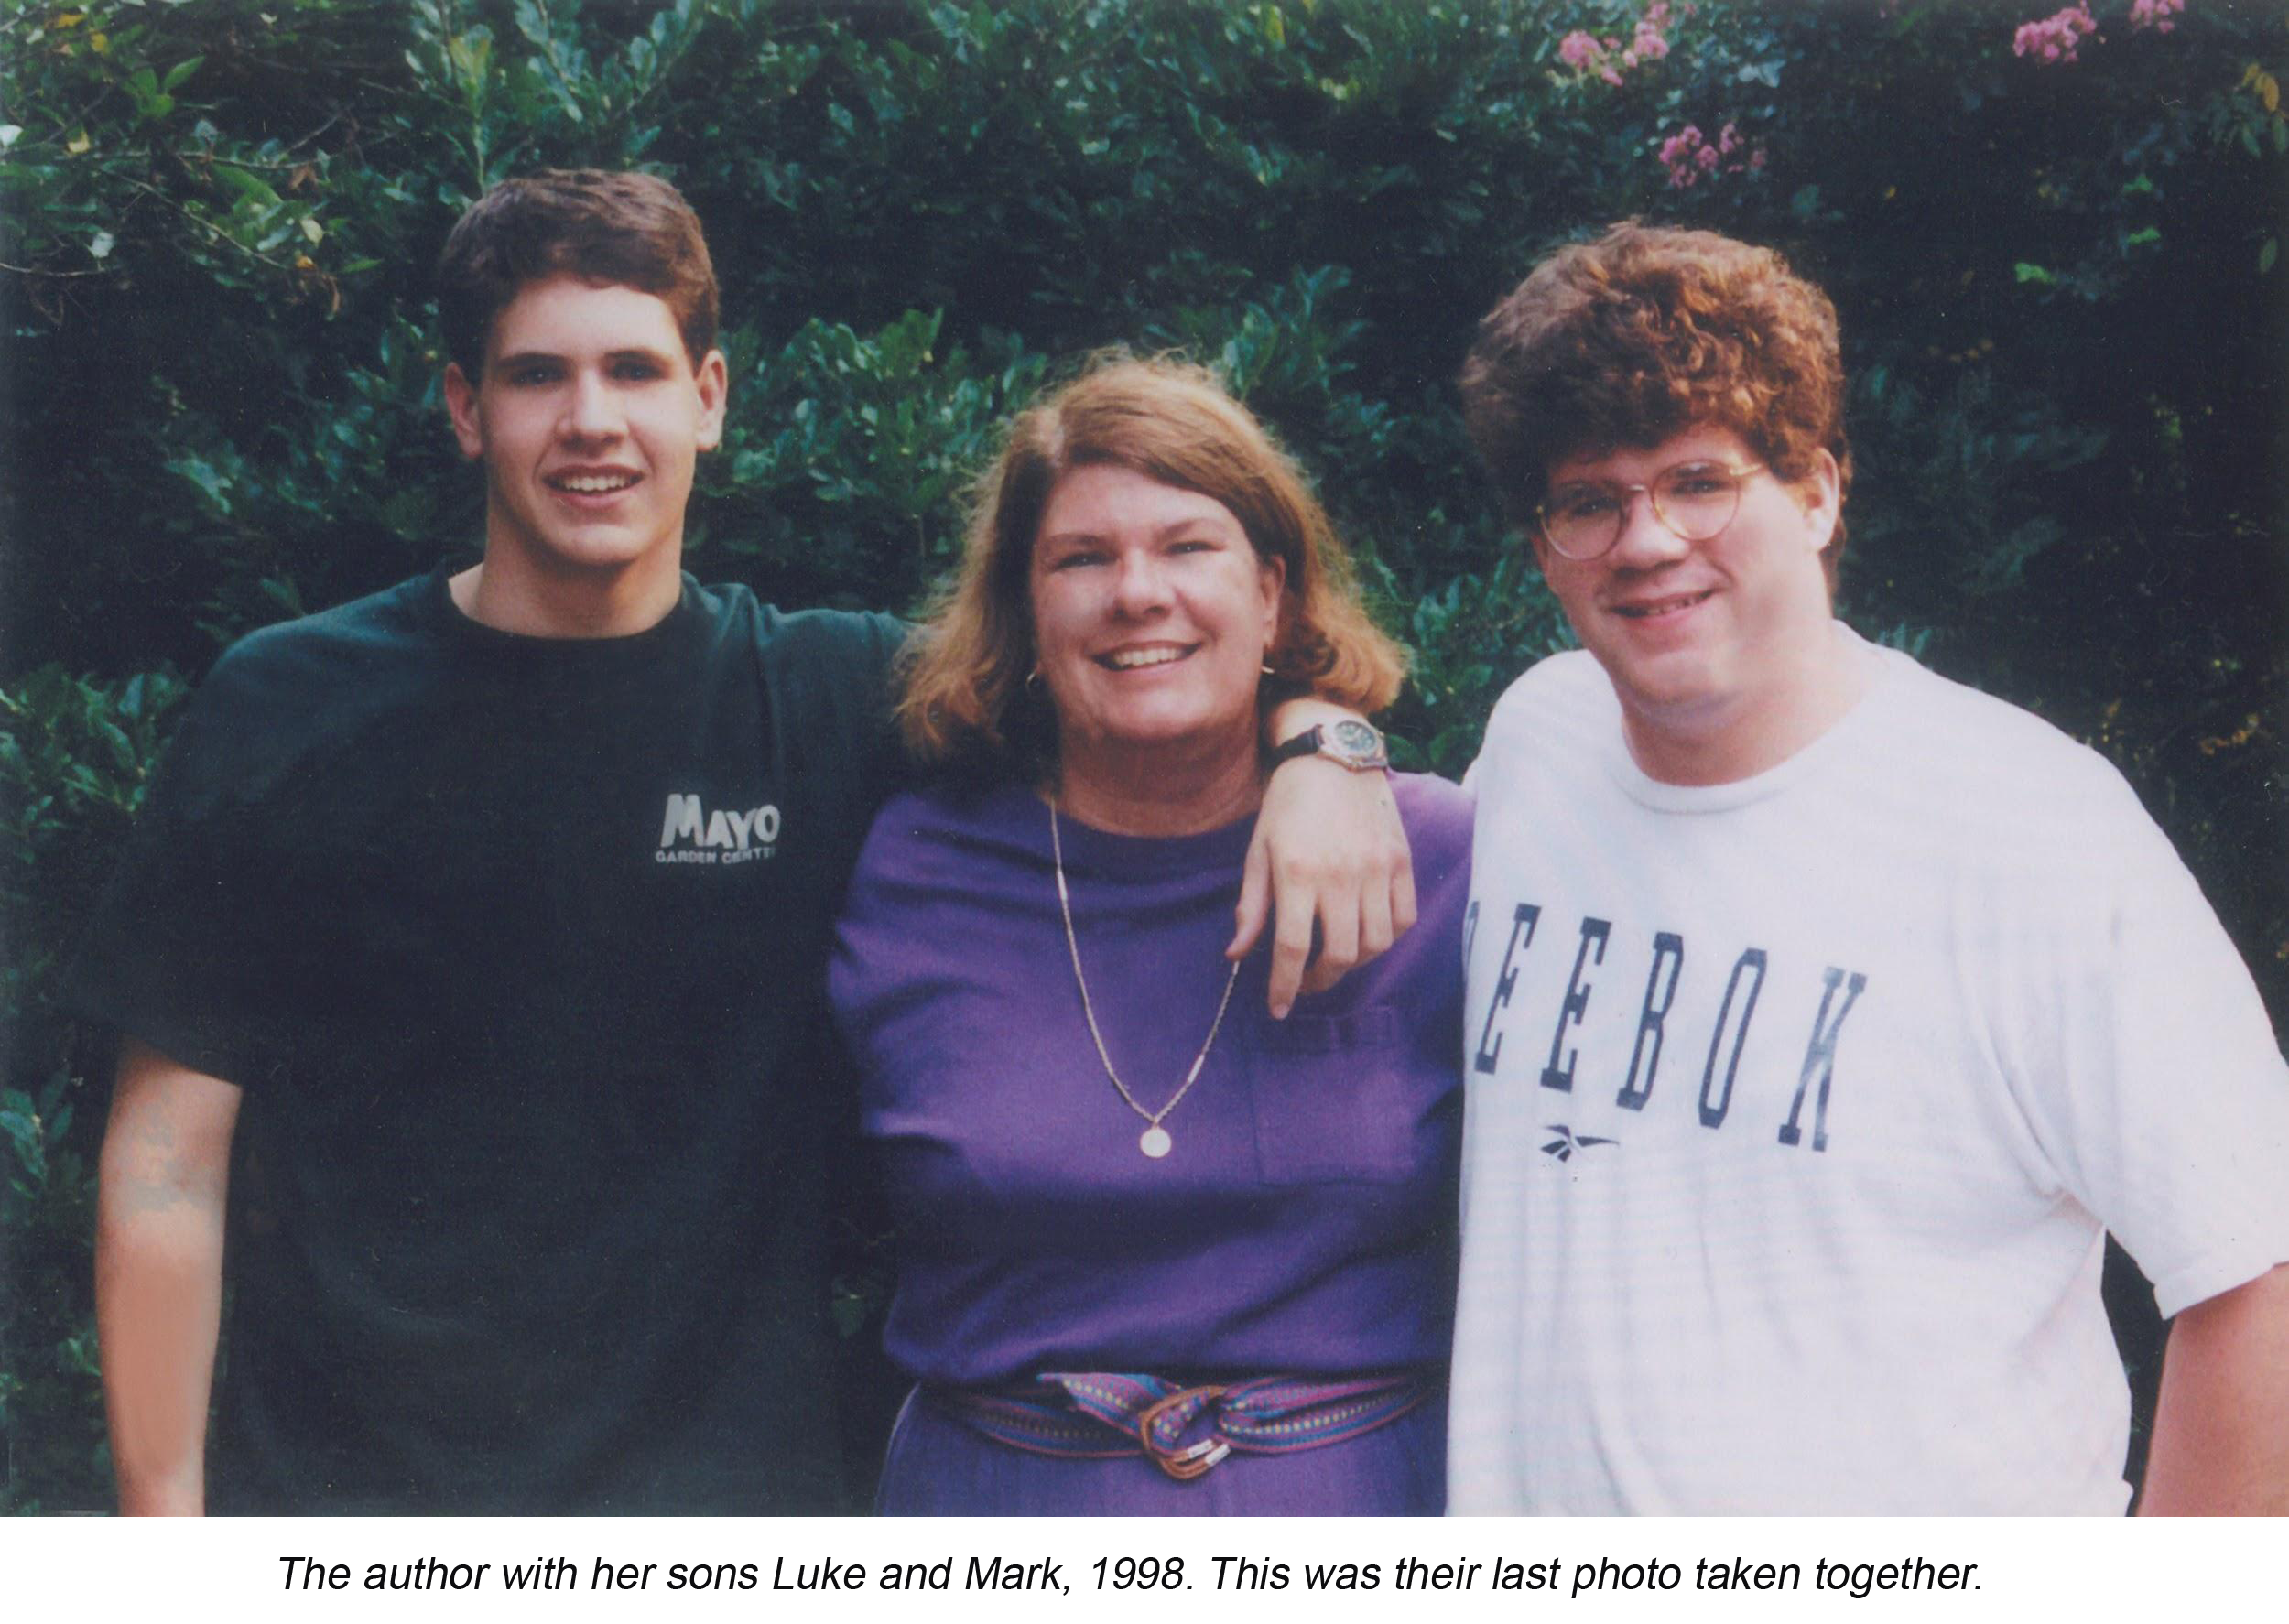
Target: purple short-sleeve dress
column 1302, row 1224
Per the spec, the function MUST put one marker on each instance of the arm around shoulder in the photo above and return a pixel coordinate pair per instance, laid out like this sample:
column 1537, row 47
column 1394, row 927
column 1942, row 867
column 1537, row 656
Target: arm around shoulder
column 165, row 1175
column 2221, row 1435
column 1329, row 852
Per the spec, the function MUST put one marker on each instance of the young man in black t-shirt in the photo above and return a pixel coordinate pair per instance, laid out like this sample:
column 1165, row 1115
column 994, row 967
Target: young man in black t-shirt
column 473, row 943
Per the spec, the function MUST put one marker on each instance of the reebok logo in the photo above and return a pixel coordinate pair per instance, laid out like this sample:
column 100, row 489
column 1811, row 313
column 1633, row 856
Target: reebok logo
column 689, row 832
column 1568, row 1143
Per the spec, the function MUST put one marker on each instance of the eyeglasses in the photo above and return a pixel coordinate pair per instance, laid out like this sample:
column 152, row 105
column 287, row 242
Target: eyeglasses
column 1694, row 501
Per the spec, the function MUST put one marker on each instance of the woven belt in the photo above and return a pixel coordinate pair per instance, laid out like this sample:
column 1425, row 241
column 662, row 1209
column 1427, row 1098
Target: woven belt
column 1102, row 1416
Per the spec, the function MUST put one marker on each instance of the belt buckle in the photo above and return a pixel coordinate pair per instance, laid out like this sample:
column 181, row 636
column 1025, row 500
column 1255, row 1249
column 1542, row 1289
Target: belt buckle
column 1194, row 1459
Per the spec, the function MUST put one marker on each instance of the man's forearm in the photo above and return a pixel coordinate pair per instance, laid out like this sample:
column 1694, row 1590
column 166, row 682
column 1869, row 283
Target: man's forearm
column 158, row 1304
column 158, row 1276
column 1329, row 859
column 1291, row 716
column 2221, row 1434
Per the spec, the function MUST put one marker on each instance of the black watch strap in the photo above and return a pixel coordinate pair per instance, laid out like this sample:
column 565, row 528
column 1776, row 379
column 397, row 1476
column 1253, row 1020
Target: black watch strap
column 1349, row 743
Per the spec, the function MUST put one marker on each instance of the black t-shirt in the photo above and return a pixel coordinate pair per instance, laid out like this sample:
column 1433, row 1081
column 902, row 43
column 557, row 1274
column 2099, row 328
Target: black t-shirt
column 516, row 949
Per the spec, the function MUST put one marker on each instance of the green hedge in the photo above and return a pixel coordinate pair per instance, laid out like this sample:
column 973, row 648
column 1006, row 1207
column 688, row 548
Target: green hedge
column 2063, row 310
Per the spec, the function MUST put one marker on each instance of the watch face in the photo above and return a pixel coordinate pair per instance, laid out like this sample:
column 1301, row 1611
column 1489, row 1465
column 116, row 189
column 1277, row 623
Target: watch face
column 1349, row 743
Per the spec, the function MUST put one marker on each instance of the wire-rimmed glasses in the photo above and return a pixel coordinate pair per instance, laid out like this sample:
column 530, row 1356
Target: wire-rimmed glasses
column 1582, row 519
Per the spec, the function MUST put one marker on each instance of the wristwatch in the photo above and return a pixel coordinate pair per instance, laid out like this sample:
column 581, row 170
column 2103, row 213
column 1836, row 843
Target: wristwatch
column 1348, row 742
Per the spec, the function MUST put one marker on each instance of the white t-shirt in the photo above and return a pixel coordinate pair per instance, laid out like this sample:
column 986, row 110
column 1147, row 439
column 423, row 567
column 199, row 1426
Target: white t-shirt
column 1798, row 1108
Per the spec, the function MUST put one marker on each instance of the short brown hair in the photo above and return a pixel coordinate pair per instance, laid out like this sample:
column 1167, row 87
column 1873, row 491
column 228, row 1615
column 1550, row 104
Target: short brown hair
column 966, row 704
column 1642, row 333
column 609, row 227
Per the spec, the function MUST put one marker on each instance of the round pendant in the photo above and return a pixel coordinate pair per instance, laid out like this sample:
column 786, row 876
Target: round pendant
column 1154, row 1141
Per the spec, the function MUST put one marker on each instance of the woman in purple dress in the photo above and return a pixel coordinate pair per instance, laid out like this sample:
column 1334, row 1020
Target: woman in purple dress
column 1158, row 1251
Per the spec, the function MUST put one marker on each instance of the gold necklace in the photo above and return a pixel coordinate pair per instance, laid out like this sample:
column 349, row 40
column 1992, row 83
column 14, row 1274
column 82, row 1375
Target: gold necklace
column 1155, row 1141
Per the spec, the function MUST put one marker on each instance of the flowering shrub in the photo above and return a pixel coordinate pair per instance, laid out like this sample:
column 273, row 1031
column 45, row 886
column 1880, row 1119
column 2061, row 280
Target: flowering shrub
column 2055, row 37
column 1582, row 50
column 1605, row 59
column 2154, row 13
column 1690, row 156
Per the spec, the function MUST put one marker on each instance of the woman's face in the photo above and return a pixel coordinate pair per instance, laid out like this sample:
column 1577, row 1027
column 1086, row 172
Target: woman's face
column 1152, row 614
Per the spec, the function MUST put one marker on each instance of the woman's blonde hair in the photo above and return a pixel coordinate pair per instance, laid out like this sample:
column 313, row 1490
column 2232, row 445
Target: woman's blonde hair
column 966, row 703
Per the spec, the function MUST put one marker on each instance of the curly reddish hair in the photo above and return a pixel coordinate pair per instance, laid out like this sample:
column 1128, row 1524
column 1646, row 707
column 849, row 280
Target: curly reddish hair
column 966, row 704
column 1644, row 332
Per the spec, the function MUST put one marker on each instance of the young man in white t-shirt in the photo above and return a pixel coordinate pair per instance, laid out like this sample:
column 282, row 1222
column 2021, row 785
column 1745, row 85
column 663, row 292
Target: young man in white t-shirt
column 1824, row 1015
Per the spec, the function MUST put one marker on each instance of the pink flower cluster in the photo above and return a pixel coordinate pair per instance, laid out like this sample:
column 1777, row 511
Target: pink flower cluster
column 2055, row 37
column 2154, row 13
column 1605, row 59
column 1688, row 155
column 1647, row 45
